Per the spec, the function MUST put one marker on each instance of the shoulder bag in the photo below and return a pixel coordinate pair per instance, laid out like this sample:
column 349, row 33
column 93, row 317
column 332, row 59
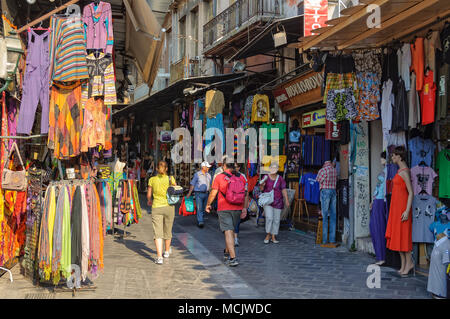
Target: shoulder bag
column 173, row 193
column 14, row 180
column 267, row 198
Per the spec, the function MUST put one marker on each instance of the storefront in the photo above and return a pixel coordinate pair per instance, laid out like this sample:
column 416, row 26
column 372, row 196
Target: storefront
column 312, row 140
column 63, row 184
column 399, row 78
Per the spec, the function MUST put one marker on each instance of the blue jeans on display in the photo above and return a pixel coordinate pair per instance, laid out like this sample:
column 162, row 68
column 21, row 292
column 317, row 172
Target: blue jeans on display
column 201, row 199
column 328, row 203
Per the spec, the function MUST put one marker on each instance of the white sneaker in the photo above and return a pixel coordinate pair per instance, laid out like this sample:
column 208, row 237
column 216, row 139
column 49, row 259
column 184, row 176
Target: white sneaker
column 167, row 253
column 159, row 261
column 266, row 241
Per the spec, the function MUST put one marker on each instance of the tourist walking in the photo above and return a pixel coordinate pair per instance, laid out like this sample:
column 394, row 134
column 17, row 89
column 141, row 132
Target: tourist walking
column 272, row 212
column 232, row 205
column 162, row 213
column 327, row 178
column 200, row 185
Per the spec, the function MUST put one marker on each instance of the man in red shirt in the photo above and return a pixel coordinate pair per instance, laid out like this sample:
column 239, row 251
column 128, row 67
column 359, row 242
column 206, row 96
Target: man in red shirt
column 229, row 214
column 327, row 178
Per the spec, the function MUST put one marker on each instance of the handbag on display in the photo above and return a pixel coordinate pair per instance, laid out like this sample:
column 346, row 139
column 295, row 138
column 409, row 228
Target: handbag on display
column 14, row 180
column 267, row 198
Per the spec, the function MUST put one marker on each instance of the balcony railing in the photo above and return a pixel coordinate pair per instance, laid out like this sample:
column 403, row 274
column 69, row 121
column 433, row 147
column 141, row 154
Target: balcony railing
column 185, row 68
column 237, row 15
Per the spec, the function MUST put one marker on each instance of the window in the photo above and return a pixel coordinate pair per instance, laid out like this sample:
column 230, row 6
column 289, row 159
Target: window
column 208, row 10
column 300, row 8
column 182, row 37
column 193, row 39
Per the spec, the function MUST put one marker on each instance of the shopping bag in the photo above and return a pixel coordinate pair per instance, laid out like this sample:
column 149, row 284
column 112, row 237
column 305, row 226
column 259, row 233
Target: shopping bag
column 189, row 202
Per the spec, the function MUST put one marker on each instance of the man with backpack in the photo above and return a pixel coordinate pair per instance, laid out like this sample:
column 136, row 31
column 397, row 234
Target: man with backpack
column 232, row 204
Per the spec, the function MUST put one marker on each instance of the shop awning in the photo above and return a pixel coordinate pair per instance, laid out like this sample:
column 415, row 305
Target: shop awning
column 263, row 42
column 145, row 38
column 355, row 29
column 164, row 98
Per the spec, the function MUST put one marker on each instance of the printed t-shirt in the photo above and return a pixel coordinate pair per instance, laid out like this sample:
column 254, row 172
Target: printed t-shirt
column 311, row 188
column 277, row 191
column 159, row 185
column 422, row 179
column 260, row 109
column 443, row 165
column 267, row 133
column 423, row 210
column 445, row 38
column 221, row 184
column 428, row 99
column 421, row 150
column 443, row 83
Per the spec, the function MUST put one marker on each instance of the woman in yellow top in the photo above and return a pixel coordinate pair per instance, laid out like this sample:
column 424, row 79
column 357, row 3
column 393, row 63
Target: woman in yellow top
column 162, row 213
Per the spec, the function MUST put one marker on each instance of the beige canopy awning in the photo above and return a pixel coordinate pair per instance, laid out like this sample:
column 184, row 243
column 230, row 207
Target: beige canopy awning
column 354, row 30
column 145, row 38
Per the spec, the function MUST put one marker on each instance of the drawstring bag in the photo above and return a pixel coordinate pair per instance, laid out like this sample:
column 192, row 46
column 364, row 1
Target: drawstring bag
column 173, row 193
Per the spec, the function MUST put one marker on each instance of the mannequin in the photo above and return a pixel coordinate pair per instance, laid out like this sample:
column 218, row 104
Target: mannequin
column 399, row 227
column 378, row 216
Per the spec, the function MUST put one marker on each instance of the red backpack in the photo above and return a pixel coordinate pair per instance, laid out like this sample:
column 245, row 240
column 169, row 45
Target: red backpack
column 235, row 190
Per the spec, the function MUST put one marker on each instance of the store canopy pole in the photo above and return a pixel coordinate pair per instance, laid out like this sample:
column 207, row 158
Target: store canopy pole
column 46, row 16
column 22, row 137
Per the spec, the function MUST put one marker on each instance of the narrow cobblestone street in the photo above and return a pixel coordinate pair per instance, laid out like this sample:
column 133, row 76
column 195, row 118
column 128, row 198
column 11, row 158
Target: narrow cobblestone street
column 295, row 268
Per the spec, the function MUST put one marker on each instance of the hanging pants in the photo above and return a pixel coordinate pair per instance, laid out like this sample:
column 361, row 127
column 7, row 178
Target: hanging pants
column 36, row 84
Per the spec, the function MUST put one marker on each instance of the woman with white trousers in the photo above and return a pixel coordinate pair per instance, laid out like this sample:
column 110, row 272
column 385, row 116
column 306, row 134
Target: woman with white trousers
column 272, row 212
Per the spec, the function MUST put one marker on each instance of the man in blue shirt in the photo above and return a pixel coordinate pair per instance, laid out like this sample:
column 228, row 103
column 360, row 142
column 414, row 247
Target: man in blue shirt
column 200, row 185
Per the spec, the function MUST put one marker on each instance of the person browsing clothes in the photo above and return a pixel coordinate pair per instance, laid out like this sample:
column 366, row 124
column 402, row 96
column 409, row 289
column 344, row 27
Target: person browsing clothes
column 200, row 185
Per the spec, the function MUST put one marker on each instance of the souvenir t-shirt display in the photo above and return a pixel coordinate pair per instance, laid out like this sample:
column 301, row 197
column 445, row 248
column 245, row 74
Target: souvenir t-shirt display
column 423, row 210
column 443, row 167
column 422, row 150
column 422, row 178
column 311, row 188
column 260, row 108
column 267, row 133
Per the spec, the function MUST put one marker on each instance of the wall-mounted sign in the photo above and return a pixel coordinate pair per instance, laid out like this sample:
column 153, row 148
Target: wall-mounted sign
column 314, row 118
column 332, row 131
column 302, row 90
column 316, row 14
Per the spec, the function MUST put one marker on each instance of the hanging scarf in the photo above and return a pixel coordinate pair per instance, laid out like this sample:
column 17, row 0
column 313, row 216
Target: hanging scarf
column 44, row 254
column 66, row 235
column 84, row 234
column 94, row 235
column 101, row 228
column 137, row 203
column 76, row 225
column 57, row 237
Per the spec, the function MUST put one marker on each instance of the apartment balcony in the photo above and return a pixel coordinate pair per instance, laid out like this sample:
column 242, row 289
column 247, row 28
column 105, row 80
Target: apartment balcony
column 184, row 69
column 237, row 24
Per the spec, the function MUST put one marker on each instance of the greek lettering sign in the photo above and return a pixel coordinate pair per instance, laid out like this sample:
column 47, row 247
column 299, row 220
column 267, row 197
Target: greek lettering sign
column 302, row 90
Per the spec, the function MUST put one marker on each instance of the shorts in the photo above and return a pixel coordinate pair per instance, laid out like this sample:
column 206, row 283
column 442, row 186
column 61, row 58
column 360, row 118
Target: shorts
column 228, row 219
column 162, row 220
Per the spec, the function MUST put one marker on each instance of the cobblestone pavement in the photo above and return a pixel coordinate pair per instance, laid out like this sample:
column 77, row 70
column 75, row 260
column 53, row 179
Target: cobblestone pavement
column 294, row 268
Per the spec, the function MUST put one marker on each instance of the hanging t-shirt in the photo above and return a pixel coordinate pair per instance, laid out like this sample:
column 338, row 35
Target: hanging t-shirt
column 418, row 61
column 443, row 84
column 432, row 42
column 414, row 104
column 422, row 178
column 423, row 210
column 421, row 150
column 404, row 64
column 214, row 103
column 445, row 38
column 311, row 188
column 294, row 137
column 428, row 99
column 267, row 133
column 443, row 167
column 260, row 108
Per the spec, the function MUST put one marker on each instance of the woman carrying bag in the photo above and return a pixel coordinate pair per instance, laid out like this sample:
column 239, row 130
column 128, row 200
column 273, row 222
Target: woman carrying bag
column 163, row 213
column 274, row 187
